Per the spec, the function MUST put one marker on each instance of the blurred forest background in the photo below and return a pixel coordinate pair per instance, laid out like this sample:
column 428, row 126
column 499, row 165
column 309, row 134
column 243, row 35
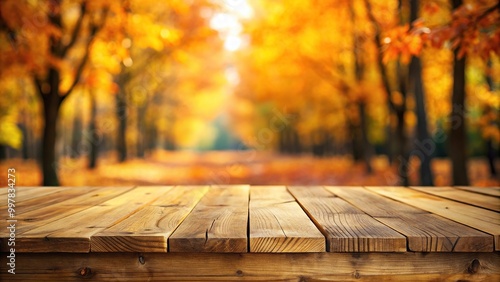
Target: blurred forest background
column 361, row 92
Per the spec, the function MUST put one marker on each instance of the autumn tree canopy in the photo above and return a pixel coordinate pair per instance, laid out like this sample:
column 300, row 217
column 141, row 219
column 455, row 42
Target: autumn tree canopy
column 409, row 80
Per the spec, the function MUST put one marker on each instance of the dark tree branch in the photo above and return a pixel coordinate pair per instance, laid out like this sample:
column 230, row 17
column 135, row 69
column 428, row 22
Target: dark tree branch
column 94, row 29
column 76, row 31
column 38, row 85
column 380, row 63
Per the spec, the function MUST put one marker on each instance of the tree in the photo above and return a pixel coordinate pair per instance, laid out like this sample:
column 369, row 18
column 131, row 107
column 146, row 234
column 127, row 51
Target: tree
column 417, row 87
column 473, row 29
column 53, row 33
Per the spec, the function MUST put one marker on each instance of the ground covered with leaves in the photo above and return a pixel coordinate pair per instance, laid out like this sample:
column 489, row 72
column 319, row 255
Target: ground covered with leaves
column 242, row 167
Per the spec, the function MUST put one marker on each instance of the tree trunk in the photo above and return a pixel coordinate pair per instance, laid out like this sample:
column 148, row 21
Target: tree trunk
column 367, row 146
column 152, row 134
column 121, row 114
column 403, row 158
column 490, row 149
column 356, row 141
column 425, row 143
column 458, row 137
column 3, row 152
column 76, row 136
column 51, row 105
column 94, row 138
column 141, row 130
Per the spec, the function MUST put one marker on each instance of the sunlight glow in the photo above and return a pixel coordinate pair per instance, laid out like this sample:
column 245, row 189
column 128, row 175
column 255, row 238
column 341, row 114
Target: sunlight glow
column 240, row 7
column 228, row 23
column 233, row 43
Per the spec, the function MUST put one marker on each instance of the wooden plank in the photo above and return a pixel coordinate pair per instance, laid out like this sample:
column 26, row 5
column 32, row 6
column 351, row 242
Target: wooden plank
column 278, row 224
column 217, row 224
column 148, row 229
column 35, row 218
column 484, row 220
column 46, row 199
column 45, row 215
column 254, row 267
column 371, row 203
column 72, row 233
column 24, row 194
column 479, row 200
column 491, row 191
column 346, row 228
column 425, row 232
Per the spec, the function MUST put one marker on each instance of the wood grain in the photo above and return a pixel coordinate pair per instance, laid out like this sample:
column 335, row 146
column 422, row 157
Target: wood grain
column 425, row 232
column 346, row 228
column 491, row 191
column 44, row 215
column 481, row 219
column 38, row 198
column 255, row 267
column 72, row 233
column 148, row 229
column 372, row 203
column 467, row 197
column 217, row 224
column 278, row 223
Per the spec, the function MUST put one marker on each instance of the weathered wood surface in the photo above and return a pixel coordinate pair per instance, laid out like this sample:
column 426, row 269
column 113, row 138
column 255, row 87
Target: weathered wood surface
column 467, row 197
column 492, row 191
column 217, row 224
column 254, row 219
column 246, row 232
column 347, row 228
column 425, row 232
column 406, row 266
column 148, row 229
column 278, row 223
column 479, row 218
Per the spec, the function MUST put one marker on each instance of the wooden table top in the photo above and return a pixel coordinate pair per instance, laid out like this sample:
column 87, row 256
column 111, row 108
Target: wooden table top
column 242, row 218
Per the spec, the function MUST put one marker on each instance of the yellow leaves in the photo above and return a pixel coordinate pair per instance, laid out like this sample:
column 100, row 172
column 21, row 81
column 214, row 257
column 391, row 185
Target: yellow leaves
column 10, row 134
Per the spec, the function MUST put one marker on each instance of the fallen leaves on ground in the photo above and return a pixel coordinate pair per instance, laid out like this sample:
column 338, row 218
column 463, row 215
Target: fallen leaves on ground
column 236, row 167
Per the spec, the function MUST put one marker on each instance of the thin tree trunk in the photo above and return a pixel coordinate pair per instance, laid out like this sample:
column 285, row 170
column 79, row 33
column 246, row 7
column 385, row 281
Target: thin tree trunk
column 356, row 141
column 490, row 150
column 402, row 157
column 427, row 145
column 94, row 138
column 458, row 136
column 141, row 113
column 3, row 152
column 367, row 146
column 121, row 113
column 77, row 128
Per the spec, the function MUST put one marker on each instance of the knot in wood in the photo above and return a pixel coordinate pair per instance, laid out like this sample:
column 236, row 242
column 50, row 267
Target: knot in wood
column 239, row 273
column 142, row 260
column 474, row 266
column 85, row 272
column 356, row 274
